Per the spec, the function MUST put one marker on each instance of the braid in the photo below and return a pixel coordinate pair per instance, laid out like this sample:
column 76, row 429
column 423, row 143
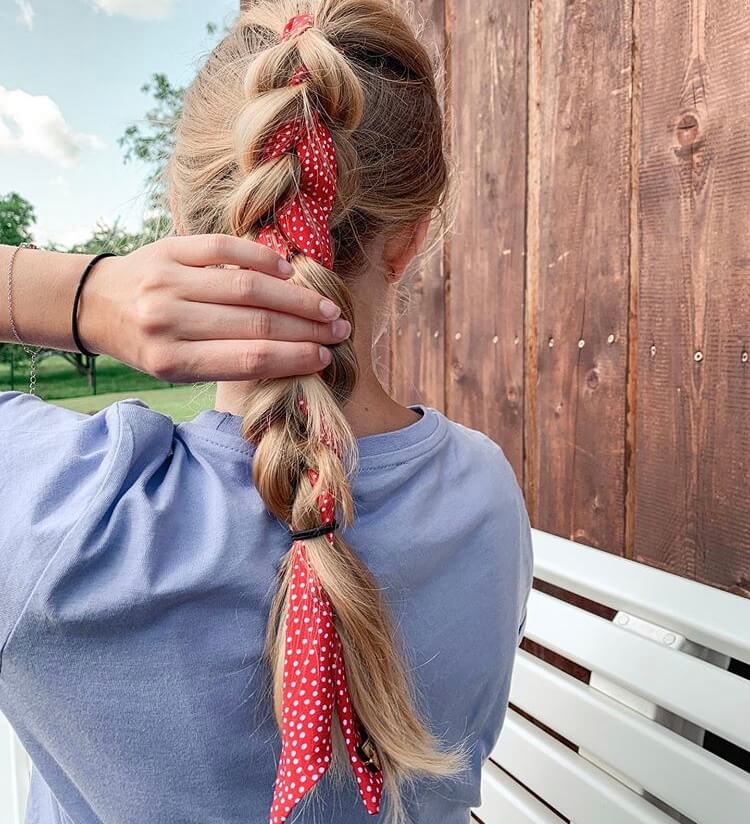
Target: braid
column 299, row 92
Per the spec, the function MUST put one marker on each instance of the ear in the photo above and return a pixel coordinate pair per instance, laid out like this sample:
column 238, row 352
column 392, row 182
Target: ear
column 401, row 248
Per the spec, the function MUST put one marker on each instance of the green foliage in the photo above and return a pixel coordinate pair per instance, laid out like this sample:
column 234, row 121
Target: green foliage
column 16, row 219
column 58, row 378
column 152, row 141
column 118, row 240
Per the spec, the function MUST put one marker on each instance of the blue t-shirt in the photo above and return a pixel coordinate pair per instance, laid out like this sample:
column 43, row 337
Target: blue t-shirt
column 137, row 565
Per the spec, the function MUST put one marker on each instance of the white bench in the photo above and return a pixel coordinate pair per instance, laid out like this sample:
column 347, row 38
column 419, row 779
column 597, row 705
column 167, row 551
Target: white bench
column 15, row 769
column 659, row 681
column 661, row 661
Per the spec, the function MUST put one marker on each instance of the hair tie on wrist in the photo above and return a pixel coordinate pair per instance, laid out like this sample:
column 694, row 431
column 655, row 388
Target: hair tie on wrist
column 315, row 532
column 77, row 299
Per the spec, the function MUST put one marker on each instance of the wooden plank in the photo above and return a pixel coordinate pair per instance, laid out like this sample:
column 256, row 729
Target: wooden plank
column 578, row 268
column 485, row 310
column 692, row 494
column 417, row 365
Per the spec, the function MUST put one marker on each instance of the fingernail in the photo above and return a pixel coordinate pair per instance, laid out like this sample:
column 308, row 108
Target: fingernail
column 329, row 309
column 341, row 328
column 325, row 355
column 285, row 267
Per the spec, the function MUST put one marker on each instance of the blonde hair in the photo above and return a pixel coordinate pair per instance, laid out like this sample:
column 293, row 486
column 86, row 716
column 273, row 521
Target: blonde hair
column 374, row 84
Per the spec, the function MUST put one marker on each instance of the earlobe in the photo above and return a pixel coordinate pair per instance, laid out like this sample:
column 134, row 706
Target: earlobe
column 401, row 249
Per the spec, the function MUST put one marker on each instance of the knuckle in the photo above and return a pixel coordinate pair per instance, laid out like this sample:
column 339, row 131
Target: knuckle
column 167, row 246
column 246, row 285
column 160, row 364
column 217, row 245
column 254, row 361
column 260, row 326
column 150, row 315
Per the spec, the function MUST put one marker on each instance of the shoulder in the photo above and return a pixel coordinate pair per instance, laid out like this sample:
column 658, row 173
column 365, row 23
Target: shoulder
column 481, row 459
column 489, row 489
column 33, row 426
column 20, row 411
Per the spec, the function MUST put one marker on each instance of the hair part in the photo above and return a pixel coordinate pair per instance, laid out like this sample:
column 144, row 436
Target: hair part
column 374, row 83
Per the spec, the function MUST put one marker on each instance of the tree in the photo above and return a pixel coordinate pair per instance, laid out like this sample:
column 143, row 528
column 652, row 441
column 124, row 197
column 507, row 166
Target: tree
column 16, row 219
column 118, row 240
column 153, row 141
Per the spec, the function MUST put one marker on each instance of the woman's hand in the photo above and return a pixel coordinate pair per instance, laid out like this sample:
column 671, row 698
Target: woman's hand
column 162, row 311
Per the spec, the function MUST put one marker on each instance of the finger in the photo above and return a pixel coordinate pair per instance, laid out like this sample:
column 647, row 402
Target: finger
column 212, row 250
column 244, row 287
column 231, row 360
column 209, row 321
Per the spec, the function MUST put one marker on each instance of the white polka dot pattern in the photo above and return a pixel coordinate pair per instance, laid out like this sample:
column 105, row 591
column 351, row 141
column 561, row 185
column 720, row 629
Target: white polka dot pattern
column 301, row 224
column 314, row 680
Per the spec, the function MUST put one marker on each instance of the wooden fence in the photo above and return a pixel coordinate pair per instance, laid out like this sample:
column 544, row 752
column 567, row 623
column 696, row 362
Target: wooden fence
column 591, row 308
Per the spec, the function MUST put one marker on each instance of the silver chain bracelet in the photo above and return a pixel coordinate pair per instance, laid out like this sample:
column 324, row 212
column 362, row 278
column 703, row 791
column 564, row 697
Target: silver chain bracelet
column 31, row 351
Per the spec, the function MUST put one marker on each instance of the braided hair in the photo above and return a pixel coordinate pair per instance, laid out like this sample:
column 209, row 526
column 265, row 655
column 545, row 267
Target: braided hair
column 352, row 72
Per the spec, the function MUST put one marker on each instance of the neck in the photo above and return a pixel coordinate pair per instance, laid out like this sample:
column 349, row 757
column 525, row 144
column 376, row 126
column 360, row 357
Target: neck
column 369, row 410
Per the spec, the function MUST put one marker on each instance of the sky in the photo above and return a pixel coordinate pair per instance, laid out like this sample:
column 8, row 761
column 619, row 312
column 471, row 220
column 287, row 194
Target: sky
column 71, row 73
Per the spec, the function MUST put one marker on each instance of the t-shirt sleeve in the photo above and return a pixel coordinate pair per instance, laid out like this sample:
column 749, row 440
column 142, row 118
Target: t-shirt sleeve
column 526, row 568
column 54, row 463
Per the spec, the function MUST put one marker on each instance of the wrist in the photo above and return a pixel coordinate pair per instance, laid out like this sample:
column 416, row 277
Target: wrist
column 97, row 309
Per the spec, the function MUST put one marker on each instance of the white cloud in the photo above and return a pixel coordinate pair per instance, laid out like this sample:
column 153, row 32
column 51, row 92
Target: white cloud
column 25, row 13
column 34, row 124
column 140, row 9
column 70, row 236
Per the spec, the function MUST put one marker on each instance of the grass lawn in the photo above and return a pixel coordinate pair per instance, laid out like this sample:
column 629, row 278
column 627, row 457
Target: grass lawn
column 59, row 382
column 181, row 403
column 56, row 378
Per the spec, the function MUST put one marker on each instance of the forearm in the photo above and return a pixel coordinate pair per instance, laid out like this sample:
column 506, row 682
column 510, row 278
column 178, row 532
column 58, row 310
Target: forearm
column 44, row 285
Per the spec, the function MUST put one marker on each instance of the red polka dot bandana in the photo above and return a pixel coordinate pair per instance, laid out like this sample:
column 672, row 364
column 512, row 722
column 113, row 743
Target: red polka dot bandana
column 301, row 224
column 296, row 25
column 313, row 682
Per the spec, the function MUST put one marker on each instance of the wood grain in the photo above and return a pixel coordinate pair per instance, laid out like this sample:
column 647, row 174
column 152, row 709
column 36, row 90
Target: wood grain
column 590, row 309
column 693, row 396
column 581, row 303
column 418, row 329
column 485, row 312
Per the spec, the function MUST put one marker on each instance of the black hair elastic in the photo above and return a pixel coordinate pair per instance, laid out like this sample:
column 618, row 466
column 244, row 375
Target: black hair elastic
column 316, row 532
column 77, row 299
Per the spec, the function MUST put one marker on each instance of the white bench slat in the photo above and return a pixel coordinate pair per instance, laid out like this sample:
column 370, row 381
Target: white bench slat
column 697, row 691
column 693, row 781
column 505, row 801
column 579, row 790
column 13, row 775
column 709, row 616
